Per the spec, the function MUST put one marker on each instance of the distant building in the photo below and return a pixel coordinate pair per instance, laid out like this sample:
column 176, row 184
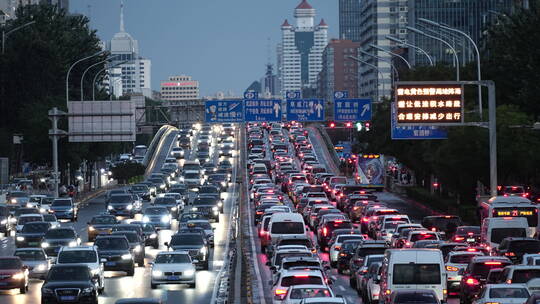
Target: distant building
column 300, row 51
column 349, row 20
column 254, row 87
column 179, row 88
column 339, row 73
column 136, row 71
column 9, row 7
column 270, row 82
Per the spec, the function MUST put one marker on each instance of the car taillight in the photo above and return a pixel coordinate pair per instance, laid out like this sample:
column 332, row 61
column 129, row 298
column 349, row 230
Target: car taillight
column 343, row 254
column 259, row 212
column 493, row 263
column 365, row 219
column 355, row 208
column 472, row 281
column 337, row 248
column 510, row 254
column 451, row 268
column 280, row 293
column 459, row 238
column 325, row 231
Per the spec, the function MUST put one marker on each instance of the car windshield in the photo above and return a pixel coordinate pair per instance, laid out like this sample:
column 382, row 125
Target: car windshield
column 28, row 219
column 482, row 269
column 61, row 203
column 526, row 246
column 47, row 200
column 204, row 201
column 10, row 264
column 191, row 175
column 139, row 188
column 417, row 274
column 467, row 230
column 60, row 234
column 30, row 255
column 288, row 228
column 104, row 220
column 132, row 237
column 168, row 258
column 18, row 194
column 208, row 190
column 524, row 275
column 112, row 244
column 301, row 280
column 416, row 298
column 350, row 245
column 191, row 216
column 77, row 256
column 462, row 258
column 164, row 201
column 391, row 225
column 305, row 293
column 193, row 167
column 204, row 225
column 72, row 273
column 508, row 293
column 281, row 256
column 49, row 218
column 121, row 199
column 156, row 211
column 186, row 239
column 423, row 236
column 35, row 228
column 498, row 234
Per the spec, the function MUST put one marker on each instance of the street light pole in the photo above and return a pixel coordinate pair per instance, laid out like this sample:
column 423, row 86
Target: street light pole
column 99, row 72
column 373, row 66
column 87, row 69
column 391, row 54
column 404, row 42
column 478, row 63
column 415, row 30
column 5, row 35
column 71, row 67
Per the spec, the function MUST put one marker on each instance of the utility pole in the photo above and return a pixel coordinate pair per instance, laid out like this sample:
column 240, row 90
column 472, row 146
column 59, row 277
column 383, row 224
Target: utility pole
column 55, row 134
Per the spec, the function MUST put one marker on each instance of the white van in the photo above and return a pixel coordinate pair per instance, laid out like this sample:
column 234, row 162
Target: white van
column 413, row 269
column 511, row 206
column 286, row 224
column 495, row 229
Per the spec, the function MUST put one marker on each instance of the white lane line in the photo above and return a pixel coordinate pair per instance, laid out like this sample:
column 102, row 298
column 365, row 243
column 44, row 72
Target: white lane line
column 341, row 288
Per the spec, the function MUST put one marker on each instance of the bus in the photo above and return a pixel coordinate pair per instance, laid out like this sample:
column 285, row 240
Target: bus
column 511, row 206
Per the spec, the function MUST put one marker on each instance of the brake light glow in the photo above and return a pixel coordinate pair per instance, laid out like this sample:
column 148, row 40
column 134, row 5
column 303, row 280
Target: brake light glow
column 280, row 292
column 493, row 263
column 472, row 250
column 365, row 219
column 356, row 208
column 343, row 254
column 472, row 281
column 433, row 229
column 301, row 276
column 325, row 231
column 511, row 254
column 459, row 238
column 338, row 248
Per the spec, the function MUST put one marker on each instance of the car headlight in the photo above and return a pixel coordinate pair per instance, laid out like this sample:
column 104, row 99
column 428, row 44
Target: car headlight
column 223, row 184
column 162, row 186
column 165, row 219
column 95, row 272
column 194, row 209
column 88, row 290
column 13, row 201
column 29, row 205
column 203, row 250
column 42, row 180
column 13, row 220
column 110, row 207
column 215, row 208
column 72, row 244
column 189, row 273
column 157, row 273
column 129, row 207
column 220, row 204
column 18, row 276
column 44, row 245
column 126, row 256
column 70, row 210
column 137, row 248
column 174, row 208
column 46, row 291
column 20, row 238
column 42, row 210
column 41, row 267
column 90, row 228
column 3, row 222
column 153, row 236
column 145, row 219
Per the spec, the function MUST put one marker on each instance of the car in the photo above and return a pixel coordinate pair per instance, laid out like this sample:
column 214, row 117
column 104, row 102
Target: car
column 454, row 262
column 364, row 249
column 136, row 245
column 168, row 202
column 64, row 208
column 157, row 216
column 69, row 283
column 515, row 247
column 503, row 293
column 31, row 234
column 208, row 205
column 114, row 252
column 121, row 205
column 290, row 278
column 373, row 288
column 173, row 267
column 324, row 231
column 150, row 234
column 35, row 260
column 19, row 198
column 100, row 224
column 180, row 199
column 55, row 238
column 473, row 278
column 27, row 218
column 6, row 219
column 177, row 152
column 335, row 248
column 84, row 255
column 467, row 234
column 361, row 275
column 143, row 191
column 407, row 296
column 13, row 274
column 194, row 243
column 297, row 293
column 519, row 274
column 51, row 219
column 206, row 227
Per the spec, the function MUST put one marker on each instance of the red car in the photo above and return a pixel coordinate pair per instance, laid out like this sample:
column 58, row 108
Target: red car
column 13, row 274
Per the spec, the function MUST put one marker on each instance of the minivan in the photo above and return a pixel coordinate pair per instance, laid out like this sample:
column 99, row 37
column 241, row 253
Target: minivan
column 286, row 224
column 495, row 229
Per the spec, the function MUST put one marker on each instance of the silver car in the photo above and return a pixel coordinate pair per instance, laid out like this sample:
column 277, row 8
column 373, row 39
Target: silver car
column 36, row 260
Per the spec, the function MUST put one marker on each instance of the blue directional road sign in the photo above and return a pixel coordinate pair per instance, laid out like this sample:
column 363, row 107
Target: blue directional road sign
column 263, row 110
column 293, row 94
column 352, row 109
column 414, row 132
column 220, row 111
column 305, row 109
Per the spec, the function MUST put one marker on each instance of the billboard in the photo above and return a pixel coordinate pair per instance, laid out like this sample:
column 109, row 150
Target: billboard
column 101, row 121
column 425, row 103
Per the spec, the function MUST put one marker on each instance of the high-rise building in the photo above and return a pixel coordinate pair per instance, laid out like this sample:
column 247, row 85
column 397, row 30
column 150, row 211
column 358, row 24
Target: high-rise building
column 379, row 18
column 136, row 70
column 469, row 16
column 9, row 7
column 269, row 83
column 339, row 73
column 179, row 88
column 301, row 50
column 349, row 20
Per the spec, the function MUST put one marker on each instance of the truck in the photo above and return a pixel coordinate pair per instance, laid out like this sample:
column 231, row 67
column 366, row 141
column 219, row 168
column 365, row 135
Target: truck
column 370, row 171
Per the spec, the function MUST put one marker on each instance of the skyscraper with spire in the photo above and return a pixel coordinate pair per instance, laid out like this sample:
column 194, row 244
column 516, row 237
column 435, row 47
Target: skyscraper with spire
column 301, row 48
column 134, row 75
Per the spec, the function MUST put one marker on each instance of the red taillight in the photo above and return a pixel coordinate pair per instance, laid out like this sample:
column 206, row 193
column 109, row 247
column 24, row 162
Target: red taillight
column 301, row 276
column 356, row 208
column 510, row 254
column 259, row 212
column 472, row 250
column 343, row 254
column 459, row 238
column 433, row 229
column 338, row 221
column 472, row 281
column 365, row 219
column 338, row 248
column 325, row 231
column 280, row 292
column 493, row 263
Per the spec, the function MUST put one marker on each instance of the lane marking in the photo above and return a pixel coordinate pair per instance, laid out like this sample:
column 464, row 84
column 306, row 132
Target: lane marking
column 341, row 288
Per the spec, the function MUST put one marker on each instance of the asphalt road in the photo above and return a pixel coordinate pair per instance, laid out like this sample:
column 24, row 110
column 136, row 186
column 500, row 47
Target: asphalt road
column 119, row 286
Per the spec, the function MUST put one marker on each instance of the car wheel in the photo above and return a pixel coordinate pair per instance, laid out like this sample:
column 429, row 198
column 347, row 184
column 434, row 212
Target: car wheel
column 131, row 272
column 23, row 289
column 153, row 286
column 155, row 246
column 140, row 263
column 193, row 285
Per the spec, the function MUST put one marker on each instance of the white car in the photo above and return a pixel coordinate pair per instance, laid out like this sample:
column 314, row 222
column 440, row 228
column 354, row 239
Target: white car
column 288, row 279
column 299, row 292
column 173, row 267
column 455, row 261
column 27, row 218
column 178, row 197
column 177, row 152
column 35, row 200
column 36, row 261
column 503, row 294
column 336, row 246
column 51, row 218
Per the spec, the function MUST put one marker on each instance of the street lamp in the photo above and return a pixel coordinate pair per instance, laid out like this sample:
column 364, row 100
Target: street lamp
column 404, row 42
column 391, row 54
column 415, row 30
column 478, row 68
column 450, row 36
column 87, row 69
column 99, row 72
column 5, row 35
column 71, row 67
column 382, row 59
column 373, row 66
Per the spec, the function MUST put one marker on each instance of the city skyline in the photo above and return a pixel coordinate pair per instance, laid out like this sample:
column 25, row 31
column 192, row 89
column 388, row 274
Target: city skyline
column 168, row 50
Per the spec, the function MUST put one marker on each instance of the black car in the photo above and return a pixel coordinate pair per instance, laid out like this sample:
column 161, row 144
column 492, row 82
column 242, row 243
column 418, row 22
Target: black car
column 142, row 191
column 515, row 247
column 69, row 283
column 100, row 224
column 114, row 252
column 55, row 238
column 220, row 180
column 212, row 191
column 207, row 205
column 169, row 203
column 150, row 233
column 136, row 245
column 6, row 219
column 345, row 254
column 31, row 234
column 129, row 227
column 121, row 204
column 364, row 249
column 194, row 243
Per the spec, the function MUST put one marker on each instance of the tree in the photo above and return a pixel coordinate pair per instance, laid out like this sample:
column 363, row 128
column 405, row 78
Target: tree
column 125, row 171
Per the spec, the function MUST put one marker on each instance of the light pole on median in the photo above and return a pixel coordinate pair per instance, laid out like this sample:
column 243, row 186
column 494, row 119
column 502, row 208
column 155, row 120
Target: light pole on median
column 5, row 35
column 404, row 42
column 478, row 63
column 391, row 54
column 417, row 31
column 87, row 69
column 373, row 66
column 71, row 67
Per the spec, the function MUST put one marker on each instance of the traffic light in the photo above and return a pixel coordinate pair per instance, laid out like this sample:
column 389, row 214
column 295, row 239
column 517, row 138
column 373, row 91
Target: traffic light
column 359, row 126
column 348, row 124
column 367, row 125
column 332, row 124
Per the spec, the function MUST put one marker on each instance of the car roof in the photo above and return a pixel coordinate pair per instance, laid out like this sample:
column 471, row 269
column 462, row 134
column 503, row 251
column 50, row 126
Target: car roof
column 79, row 248
column 504, row 285
column 324, row 300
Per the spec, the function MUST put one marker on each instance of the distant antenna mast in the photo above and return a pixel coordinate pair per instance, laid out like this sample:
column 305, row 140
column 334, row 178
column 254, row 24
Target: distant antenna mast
column 269, row 51
column 122, row 29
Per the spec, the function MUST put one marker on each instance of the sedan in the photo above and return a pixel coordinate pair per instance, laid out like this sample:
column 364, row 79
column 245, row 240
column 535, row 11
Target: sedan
column 173, row 267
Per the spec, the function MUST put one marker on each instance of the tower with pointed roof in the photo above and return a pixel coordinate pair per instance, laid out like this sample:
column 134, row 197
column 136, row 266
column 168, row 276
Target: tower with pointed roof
column 300, row 50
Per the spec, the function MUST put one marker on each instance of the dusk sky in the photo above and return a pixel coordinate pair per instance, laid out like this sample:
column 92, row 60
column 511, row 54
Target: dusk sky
column 221, row 43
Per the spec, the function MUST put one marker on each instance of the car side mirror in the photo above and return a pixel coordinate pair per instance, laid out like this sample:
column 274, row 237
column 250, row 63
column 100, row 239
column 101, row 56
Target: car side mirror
column 166, row 244
column 195, row 261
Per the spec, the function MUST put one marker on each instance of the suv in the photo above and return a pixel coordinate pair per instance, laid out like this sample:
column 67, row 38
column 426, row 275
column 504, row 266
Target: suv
column 121, row 204
column 86, row 255
column 365, row 249
column 324, row 231
column 194, row 243
column 115, row 254
column 515, row 247
column 473, row 278
column 69, row 283
column 208, row 205
column 64, row 208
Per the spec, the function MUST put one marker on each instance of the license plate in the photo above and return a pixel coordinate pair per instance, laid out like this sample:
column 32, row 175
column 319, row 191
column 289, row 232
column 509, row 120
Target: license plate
column 32, row 243
column 110, row 264
column 471, row 240
column 173, row 278
column 67, row 298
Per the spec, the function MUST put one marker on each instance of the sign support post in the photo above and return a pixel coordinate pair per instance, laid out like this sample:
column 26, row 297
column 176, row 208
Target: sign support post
column 55, row 134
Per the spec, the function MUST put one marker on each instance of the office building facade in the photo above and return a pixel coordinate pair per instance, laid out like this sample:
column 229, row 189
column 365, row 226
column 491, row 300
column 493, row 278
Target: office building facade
column 339, row 72
column 179, row 88
column 349, row 20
